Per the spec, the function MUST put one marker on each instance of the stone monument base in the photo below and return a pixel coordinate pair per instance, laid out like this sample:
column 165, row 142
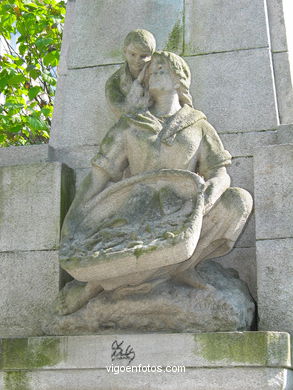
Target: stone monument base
column 204, row 361
column 223, row 305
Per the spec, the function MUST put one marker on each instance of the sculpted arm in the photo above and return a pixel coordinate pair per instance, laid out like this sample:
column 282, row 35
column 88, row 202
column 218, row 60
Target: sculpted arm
column 216, row 184
column 115, row 98
column 136, row 98
column 212, row 165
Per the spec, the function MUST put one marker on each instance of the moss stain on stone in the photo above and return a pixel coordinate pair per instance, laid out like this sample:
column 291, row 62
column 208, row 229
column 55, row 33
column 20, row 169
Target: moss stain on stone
column 140, row 251
column 30, row 353
column 16, row 380
column 175, row 38
column 239, row 347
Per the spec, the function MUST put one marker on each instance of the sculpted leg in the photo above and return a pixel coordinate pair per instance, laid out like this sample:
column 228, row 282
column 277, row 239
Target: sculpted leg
column 221, row 227
column 74, row 295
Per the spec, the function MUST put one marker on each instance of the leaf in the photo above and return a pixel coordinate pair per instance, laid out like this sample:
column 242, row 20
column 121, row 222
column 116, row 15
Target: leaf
column 35, row 73
column 37, row 124
column 14, row 106
column 37, row 26
column 43, row 42
column 51, row 59
column 33, row 91
column 49, row 79
column 22, row 48
column 47, row 111
column 16, row 79
column 4, row 81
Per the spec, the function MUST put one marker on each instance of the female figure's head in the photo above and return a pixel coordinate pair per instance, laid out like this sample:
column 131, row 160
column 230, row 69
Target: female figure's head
column 169, row 73
column 139, row 46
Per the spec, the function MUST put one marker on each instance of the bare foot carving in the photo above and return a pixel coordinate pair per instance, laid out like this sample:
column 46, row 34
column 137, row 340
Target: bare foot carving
column 74, row 296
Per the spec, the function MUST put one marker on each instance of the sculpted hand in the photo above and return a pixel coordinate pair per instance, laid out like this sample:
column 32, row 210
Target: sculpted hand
column 214, row 188
column 138, row 97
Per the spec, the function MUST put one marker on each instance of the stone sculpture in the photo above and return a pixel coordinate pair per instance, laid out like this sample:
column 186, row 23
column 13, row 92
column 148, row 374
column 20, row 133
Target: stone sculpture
column 156, row 203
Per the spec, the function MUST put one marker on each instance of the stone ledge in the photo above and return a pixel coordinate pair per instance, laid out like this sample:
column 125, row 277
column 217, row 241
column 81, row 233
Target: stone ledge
column 244, row 378
column 224, row 349
column 23, row 154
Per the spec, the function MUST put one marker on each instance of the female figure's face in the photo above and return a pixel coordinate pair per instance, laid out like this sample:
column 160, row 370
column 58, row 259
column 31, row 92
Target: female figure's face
column 136, row 58
column 161, row 79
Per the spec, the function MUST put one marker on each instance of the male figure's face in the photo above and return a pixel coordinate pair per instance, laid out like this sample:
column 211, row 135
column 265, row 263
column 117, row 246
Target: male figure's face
column 136, row 57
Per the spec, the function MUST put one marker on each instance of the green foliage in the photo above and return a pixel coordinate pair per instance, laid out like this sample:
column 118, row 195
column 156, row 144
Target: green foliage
column 28, row 71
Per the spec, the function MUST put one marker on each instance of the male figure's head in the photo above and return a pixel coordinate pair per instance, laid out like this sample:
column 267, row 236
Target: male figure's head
column 139, row 46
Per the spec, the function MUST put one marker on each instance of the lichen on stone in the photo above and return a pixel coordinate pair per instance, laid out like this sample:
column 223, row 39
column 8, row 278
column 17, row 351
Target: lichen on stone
column 175, row 38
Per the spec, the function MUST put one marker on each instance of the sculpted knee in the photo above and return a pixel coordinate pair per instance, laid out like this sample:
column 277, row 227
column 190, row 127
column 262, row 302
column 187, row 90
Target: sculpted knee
column 238, row 199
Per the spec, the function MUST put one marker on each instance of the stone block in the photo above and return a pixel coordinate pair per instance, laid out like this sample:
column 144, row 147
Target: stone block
column 66, row 35
column 273, row 189
column 215, row 26
column 34, row 199
column 244, row 262
column 193, row 350
column 285, row 134
column 283, row 87
column 274, row 281
column 76, row 158
column 23, row 154
column 277, row 25
column 29, row 284
column 250, row 360
column 247, row 237
column 204, row 378
column 81, row 115
column 235, row 90
column 100, row 27
column 241, row 172
column 243, row 144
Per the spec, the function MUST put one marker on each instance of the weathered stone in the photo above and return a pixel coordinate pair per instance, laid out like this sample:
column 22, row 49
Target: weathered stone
column 241, row 172
column 220, row 349
column 283, row 87
column 28, row 154
column 277, row 25
column 80, row 174
column 29, row 283
column 235, row 90
column 243, row 144
column 98, row 19
column 285, row 134
column 251, row 360
column 274, row 284
column 247, row 237
column 81, row 116
column 34, row 199
column 242, row 260
column 273, row 189
column 224, row 305
column 75, row 157
column 204, row 378
column 215, row 26
column 66, row 35
column 158, row 214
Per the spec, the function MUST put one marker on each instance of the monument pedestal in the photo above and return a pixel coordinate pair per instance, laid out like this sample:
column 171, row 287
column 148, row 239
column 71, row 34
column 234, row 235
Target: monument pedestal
column 203, row 361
